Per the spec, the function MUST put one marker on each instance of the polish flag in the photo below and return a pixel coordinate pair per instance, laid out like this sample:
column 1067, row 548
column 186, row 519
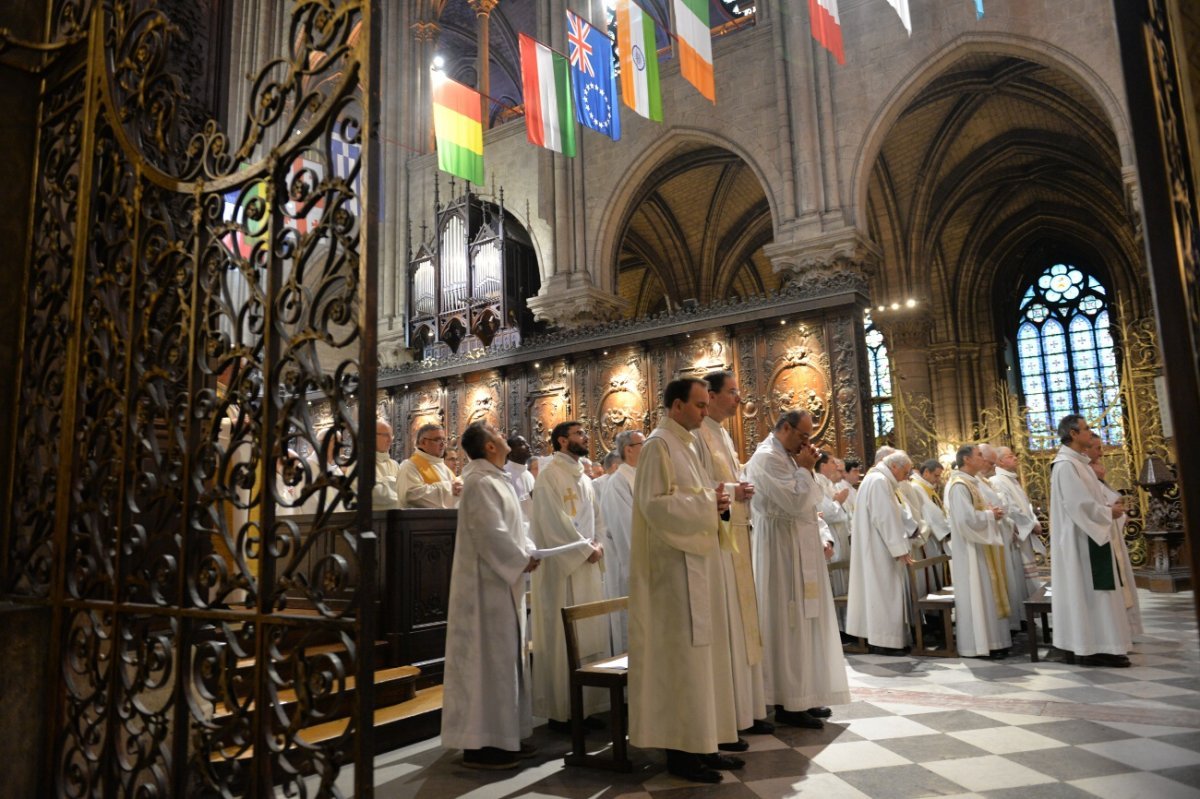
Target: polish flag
column 827, row 27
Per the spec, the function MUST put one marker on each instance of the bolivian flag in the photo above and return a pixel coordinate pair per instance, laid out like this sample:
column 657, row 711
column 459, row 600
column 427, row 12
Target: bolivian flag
column 695, row 45
column 458, row 128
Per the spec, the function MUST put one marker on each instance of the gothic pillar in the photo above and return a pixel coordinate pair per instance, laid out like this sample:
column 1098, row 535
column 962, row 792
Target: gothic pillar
column 483, row 13
column 907, row 336
column 425, row 33
column 943, row 367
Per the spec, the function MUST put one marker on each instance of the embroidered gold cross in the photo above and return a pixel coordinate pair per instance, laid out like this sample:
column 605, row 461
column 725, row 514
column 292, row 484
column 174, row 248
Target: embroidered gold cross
column 569, row 499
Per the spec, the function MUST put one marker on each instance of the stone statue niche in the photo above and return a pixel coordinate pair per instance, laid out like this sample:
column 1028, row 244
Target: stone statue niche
column 469, row 281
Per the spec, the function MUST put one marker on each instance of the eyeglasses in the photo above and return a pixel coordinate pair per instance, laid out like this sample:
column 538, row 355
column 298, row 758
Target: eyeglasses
column 438, row 440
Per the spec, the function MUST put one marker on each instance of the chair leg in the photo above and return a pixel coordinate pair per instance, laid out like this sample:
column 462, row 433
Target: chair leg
column 577, row 732
column 948, row 631
column 1031, row 623
column 617, row 724
column 919, row 627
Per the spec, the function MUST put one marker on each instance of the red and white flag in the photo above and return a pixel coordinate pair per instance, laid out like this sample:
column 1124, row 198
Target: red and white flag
column 827, row 27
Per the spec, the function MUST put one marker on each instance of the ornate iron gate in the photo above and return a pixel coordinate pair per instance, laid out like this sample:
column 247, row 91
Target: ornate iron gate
column 189, row 293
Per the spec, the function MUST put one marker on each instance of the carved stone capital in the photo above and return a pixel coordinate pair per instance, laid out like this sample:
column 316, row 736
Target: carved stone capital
column 483, row 8
column 943, row 356
column 425, row 31
column 573, row 306
column 903, row 332
column 844, row 257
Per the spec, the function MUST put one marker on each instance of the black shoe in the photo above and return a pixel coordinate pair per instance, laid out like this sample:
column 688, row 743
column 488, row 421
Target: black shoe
column 798, row 718
column 886, row 650
column 848, row 639
column 819, row 712
column 1105, row 661
column 527, row 751
column 489, row 758
column 690, row 766
column 998, row 654
column 759, row 727
column 722, row 762
column 554, row 725
column 739, row 745
column 593, row 723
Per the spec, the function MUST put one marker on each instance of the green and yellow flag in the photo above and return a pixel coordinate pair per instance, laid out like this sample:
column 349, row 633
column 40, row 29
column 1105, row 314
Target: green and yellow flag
column 458, row 128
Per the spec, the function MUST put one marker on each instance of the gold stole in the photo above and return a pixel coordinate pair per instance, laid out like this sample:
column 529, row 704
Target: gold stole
column 428, row 473
column 933, row 495
column 993, row 555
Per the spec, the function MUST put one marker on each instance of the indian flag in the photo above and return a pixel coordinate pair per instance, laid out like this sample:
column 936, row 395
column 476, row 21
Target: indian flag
column 458, row 129
column 639, row 60
column 549, row 112
column 695, row 45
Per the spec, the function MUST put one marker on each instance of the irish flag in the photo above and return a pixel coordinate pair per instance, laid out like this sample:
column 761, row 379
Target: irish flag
column 458, row 129
column 827, row 27
column 549, row 113
column 639, row 60
column 695, row 45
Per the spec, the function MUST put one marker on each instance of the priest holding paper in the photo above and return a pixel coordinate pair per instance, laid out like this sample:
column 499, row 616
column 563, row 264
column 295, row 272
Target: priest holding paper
column 565, row 517
column 1086, row 598
column 680, row 674
column 486, row 705
column 424, row 480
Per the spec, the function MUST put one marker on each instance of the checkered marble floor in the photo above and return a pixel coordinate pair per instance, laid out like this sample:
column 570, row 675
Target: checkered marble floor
column 918, row 727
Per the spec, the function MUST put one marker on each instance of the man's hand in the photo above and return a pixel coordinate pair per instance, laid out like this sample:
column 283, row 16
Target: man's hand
column 1037, row 528
column 998, row 513
column 840, row 496
column 1118, row 509
column 723, row 501
column 456, row 486
column 806, row 456
column 905, row 559
column 531, row 565
column 743, row 491
column 597, row 553
column 828, row 551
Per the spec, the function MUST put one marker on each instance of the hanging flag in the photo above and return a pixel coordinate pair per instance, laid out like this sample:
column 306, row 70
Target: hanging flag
column 590, row 53
column 695, row 45
column 901, row 7
column 827, row 27
column 979, row 9
column 545, row 77
column 458, row 128
column 639, row 60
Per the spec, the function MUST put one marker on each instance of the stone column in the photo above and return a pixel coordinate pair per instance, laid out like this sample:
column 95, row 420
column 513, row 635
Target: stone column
column 943, row 366
column 483, row 13
column 906, row 334
column 425, row 32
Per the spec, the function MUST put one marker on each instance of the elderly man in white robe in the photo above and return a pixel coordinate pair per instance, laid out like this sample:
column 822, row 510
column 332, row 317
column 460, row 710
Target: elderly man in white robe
column 981, row 605
column 616, row 509
column 828, row 475
column 486, row 703
column 1022, row 560
column 720, row 459
column 804, row 669
column 1133, row 608
column 386, row 494
column 425, row 481
column 565, row 513
column 1090, row 618
column 610, row 464
column 852, row 474
column 880, row 551
column 680, row 675
column 1014, row 517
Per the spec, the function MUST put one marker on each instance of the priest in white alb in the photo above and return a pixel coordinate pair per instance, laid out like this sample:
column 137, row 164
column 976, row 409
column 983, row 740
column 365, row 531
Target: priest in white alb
column 565, row 514
column 1014, row 516
column 385, row 495
column 486, row 707
column 804, row 668
column 1024, row 527
column 425, row 481
column 720, row 459
column 616, row 509
column 880, row 551
column 680, row 675
column 981, row 607
column 1090, row 619
column 833, row 510
column 517, row 469
column 1133, row 608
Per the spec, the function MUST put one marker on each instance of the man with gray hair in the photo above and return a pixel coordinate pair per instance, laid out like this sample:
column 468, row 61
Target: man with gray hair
column 1024, row 524
column 424, row 480
column 1018, row 592
column 610, row 463
column 877, row 603
column 616, row 508
column 1087, row 602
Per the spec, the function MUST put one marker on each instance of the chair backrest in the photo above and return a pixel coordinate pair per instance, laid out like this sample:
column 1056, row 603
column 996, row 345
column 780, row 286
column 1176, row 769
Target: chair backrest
column 918, row 565
column 587, row 610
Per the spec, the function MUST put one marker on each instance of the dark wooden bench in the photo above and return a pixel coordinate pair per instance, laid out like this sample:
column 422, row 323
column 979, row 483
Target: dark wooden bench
column 942, row 604
column 599, row 674
column 839, row 601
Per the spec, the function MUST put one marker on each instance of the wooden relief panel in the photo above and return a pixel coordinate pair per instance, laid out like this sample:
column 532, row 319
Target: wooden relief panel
column 754, row 420
column 548, row 399
column 425, row 407
column 703, row 354
column 797, row 370
column 622, row 404
column 432, row 557
column 482, row 401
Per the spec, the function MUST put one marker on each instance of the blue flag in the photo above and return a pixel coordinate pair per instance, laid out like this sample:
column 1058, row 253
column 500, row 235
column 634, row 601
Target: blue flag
column 592, row 77
column 979, row 9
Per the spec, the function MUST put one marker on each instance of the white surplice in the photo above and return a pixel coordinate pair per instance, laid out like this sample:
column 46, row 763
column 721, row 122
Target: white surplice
column 522, row 483
column 837, row 517
column 1133, row 608
column 414, row 492
column 877, row 604
column 565, row 512
column 486, row 699
column 616, row 509
column 803, row 665
column 1087, row 621
column 386, row 494
column 680, row 677
column 1017, row 526
column 980, row 577
column 719, row 458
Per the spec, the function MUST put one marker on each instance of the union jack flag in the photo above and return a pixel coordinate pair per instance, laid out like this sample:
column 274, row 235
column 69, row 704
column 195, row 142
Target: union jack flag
column 578, row 47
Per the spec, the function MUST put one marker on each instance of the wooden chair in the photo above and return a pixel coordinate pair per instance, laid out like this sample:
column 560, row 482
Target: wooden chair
column 942, row 604
column 595, row 675
column 1039, row 605
column 839, row 601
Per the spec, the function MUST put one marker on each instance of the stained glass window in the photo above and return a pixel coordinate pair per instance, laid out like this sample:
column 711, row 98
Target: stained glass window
column 882, row 414
column 1066, row 356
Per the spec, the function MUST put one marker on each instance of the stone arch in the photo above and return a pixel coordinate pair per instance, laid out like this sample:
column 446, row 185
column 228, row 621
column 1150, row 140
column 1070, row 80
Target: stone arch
column 619, row 206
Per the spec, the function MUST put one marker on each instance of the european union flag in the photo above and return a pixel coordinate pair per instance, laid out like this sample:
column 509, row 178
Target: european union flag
column 592, row 77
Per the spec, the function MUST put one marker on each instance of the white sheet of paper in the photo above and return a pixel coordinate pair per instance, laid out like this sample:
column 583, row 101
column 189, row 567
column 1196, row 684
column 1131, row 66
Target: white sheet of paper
column 551, row 552
column 618, row 663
